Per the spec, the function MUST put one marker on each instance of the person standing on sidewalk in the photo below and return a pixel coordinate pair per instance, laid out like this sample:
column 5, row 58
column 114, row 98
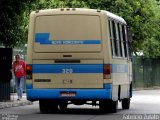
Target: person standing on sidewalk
column 19, row 67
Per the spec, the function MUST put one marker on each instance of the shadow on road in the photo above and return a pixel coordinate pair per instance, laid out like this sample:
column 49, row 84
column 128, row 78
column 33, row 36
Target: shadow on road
column 81, row 111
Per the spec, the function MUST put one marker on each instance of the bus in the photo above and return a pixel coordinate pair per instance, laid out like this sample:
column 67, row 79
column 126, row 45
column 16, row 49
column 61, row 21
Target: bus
column 78, row 56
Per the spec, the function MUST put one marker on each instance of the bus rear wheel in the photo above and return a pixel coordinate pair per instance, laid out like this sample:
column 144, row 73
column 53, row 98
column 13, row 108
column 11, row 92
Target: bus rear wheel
column 43, row 106
column 113, row 106
column 48, row 106
column 108, row 106
column 126, row 103
column 63, row 105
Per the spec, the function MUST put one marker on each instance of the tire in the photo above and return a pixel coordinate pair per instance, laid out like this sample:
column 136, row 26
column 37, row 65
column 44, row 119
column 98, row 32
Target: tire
column 108, row 106
column 63, row 105
column 52, row 106
column 48, row 106
column 126, row 103
column 43, row 106
column 113, row 106
column 103, row 106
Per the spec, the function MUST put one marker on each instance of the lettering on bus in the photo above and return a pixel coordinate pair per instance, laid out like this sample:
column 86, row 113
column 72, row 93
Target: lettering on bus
column 67, row 71
column 67, row 42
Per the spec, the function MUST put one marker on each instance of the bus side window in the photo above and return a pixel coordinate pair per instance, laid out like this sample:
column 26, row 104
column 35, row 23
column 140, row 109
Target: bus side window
column 118, row 39
column 121, row 40
column 111, row 38
column 114, row 38
column 124, row 40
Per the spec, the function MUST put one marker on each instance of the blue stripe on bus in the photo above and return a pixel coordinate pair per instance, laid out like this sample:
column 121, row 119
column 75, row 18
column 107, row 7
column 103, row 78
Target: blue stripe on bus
column 107, row 86
column 87, row 94
column 29, row 86
column 71, row 68
column 119, row 68
column 43, row 38
column 77, row 68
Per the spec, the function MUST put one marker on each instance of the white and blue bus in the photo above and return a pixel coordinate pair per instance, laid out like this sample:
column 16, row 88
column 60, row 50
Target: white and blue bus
column 78, row 56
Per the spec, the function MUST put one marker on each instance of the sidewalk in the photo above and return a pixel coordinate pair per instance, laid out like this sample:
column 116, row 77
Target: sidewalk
column 13, row 102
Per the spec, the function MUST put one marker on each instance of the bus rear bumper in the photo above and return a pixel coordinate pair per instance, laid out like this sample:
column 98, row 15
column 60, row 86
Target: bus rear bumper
column 70, row 94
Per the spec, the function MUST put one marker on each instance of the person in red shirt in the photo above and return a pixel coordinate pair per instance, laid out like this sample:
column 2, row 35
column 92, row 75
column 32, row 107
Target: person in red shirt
column 19, row 67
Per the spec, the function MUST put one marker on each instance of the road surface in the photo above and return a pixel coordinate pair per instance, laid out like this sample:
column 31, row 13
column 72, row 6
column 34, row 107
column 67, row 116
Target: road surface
column 145, row 105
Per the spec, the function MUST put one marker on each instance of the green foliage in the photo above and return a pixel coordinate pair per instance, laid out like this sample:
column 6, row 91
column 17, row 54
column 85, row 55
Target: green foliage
column 151, row 48
column 140, row 17
column 13, row 24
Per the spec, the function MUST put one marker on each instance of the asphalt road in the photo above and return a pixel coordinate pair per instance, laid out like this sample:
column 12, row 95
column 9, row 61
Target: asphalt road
column 145, row 105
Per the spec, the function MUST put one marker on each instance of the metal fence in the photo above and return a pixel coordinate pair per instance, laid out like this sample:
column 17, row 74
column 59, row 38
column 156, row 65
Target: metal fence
column 146, row 72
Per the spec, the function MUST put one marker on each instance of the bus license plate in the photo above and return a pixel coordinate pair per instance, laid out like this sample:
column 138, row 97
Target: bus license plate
column 68, row 94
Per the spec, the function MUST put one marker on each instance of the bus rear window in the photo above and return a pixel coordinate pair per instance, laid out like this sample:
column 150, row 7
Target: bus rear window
column 67, row 33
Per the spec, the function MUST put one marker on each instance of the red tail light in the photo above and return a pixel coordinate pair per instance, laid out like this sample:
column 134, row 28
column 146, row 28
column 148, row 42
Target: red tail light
column 107, row 71
column 28, row 72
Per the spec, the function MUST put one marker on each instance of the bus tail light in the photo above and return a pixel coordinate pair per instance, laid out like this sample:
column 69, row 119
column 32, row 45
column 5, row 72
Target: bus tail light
column 28, row 72
column 107, row 71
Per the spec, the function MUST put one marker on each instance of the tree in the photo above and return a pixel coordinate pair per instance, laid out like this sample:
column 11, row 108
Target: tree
column 151, row 46
column 13, row 31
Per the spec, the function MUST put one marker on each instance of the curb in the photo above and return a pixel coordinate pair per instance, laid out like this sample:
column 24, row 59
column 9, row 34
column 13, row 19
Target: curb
column 14, row 104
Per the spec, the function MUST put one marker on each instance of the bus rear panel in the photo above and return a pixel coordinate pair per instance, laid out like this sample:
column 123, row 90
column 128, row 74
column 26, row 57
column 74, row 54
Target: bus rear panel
column 68, row 59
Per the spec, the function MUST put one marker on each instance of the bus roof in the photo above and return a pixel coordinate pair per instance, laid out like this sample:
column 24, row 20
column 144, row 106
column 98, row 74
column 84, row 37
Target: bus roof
column 78, row 11
column 115, row 17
